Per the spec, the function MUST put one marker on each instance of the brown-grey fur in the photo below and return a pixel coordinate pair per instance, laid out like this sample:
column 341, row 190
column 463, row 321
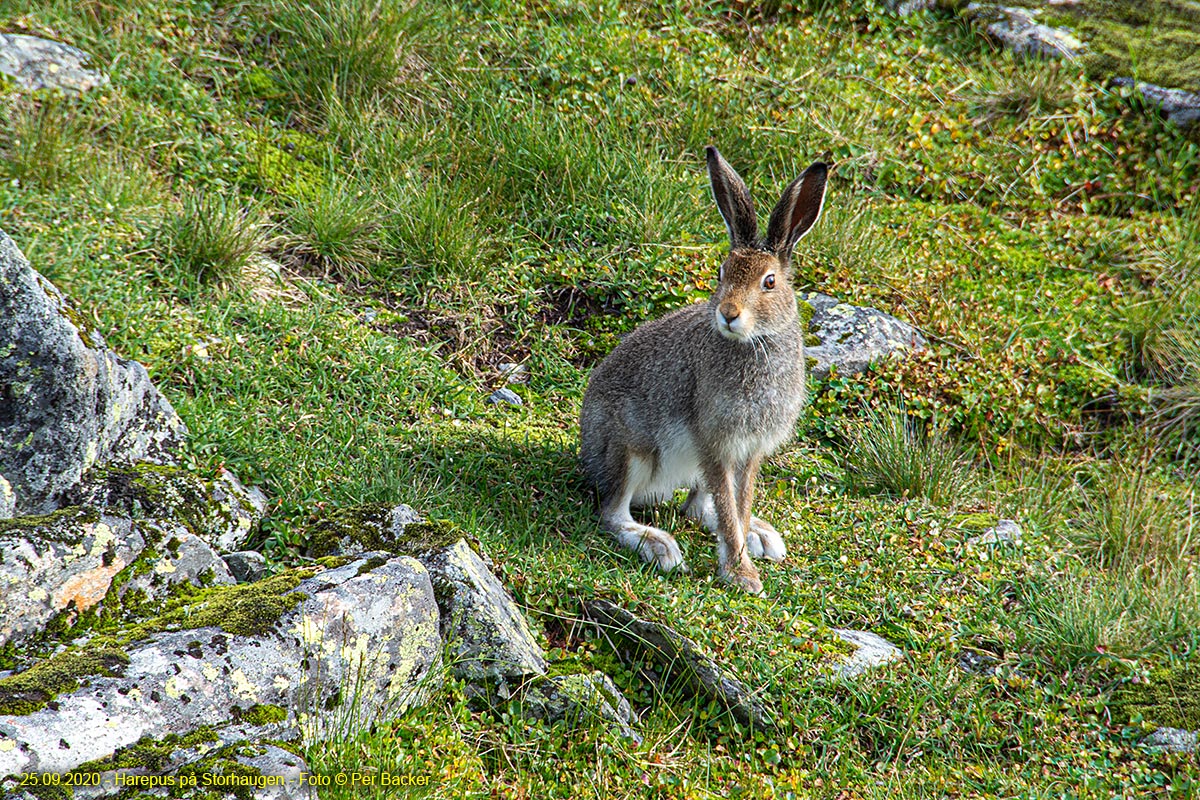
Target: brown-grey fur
column 698, row 398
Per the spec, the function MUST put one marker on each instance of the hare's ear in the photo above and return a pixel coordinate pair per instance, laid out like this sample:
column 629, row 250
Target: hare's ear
column 797, row 211
column 733, row 200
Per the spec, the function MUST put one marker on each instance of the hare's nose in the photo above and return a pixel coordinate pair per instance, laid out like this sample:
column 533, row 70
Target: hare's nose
column 730, row 312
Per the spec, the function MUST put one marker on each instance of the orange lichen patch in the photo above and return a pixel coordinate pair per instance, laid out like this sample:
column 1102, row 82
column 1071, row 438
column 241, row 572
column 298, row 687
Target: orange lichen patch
column 87, row 589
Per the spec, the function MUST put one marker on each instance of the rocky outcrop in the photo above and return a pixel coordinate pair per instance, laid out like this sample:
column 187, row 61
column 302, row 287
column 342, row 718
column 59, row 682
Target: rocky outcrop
column 853, row 337
column 1178, row 106
column 1018, row 30
column 304, row 652
column 1171, row 740
column 680, row 658
column 67, row 402
column 33, row 63
column 8, row 500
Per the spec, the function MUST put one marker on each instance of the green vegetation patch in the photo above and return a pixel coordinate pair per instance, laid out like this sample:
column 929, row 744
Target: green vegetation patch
column 370, row 527
column 150, row 753
column 34, row 688
column 1170, row 698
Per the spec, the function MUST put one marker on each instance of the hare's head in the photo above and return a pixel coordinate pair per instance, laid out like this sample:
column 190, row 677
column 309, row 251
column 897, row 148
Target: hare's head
column 754, row 294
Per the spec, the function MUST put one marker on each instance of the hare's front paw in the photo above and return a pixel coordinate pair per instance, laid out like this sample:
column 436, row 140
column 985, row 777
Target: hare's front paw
column 763, row 541
column 744, row 577
column 655, row 546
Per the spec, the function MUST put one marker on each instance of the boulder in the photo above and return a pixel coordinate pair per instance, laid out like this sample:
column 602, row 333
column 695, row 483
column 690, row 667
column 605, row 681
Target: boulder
column 853, row 337
column 8, row 500
column 67, row 402
column 1179, row 106
column 1018, row 30
column 681, row 658
column 488, row 640
column 308, row 652
column 33, row 63
column 871, row 651
column 79, row 561
column 1003, row 532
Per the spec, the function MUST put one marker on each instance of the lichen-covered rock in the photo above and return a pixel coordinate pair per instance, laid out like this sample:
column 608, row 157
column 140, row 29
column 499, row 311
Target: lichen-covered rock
column 247, row 566
column 853, row 337
column 350, row 531
column 221, row 511
column 67, row 402
column 581, row 696
column 872, row 651
column 681, row 658
column 57, row 568
column 326, row 651
column 1179, row 106
column 1172, row 740
column 1018, row 30
column 34, row 63
column 8, row 500
column 487, row 636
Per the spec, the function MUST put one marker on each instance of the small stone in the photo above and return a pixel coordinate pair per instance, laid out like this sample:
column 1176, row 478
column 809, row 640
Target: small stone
column 853, row 337
column 976, row 663
column 1172, row 740
column 1004, row 532
column 247, row 566
column 581, row 695
column 35, row 64
column 506, row 395
column 1018, row 30
column 513, row 373
column 873, row 651
column 1179, row 106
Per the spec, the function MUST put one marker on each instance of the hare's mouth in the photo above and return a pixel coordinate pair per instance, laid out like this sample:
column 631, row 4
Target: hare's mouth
column 736, row 330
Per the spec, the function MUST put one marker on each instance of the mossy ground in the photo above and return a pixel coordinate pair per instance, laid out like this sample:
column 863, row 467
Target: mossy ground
column 529, row 194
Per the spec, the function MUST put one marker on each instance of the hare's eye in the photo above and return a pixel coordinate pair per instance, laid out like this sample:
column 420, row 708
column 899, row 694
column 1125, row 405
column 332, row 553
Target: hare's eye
column 769, row 281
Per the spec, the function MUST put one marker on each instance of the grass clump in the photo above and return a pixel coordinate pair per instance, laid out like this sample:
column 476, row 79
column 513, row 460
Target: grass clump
column 43, row 142
column 889, row 451
column 211, row 238
column 341, row 51
column 335, row 229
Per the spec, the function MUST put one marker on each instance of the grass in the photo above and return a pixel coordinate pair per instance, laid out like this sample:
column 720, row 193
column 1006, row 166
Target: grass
column 447, row 187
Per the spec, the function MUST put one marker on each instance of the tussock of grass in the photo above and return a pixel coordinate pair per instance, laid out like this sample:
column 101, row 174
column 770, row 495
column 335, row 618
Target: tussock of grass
column 889, row 451
column 43, row 142
column 212, row 237
column 337, row 228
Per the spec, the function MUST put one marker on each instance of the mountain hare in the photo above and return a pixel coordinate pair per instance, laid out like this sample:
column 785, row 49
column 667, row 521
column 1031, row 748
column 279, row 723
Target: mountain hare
column 698, row 398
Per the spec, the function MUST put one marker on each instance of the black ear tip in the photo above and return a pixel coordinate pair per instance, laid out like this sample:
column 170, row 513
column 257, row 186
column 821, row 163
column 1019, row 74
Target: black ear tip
column 818, row 168
column 711, row 152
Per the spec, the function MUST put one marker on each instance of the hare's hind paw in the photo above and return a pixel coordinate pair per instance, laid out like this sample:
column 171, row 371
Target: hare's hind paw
column 743, row 578
column 655, row 546
column 763, row 541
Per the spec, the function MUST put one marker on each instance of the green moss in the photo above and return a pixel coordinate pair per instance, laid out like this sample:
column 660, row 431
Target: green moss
column 812, row 340
column 155, row 491
column 1171, row 698
column 806, row 311
column 261, row 714
column 51, row 526
column 32, row 689
column 978, row 521
column 150, row 753
column 290, row 164
column 369, row 526
column 246, row 609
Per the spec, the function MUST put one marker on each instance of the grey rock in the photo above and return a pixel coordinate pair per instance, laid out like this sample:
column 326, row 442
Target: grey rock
column 34, row 63
column 247, row 566
column 356, row 648
column 581, row 696
column 872, row 651
column 906, row 8
column 80, row 560
column 8, row 500
column 488, row 640
column 1179, row 106
column 505, row 395
column 221, row 511
column 1172, row 740
column 276, row 762
column 1018, row 30
column 67, row 402
column 1006, row 531
column 513, row 373
column 853, row 337
column 976, row 663
column 681, row 658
